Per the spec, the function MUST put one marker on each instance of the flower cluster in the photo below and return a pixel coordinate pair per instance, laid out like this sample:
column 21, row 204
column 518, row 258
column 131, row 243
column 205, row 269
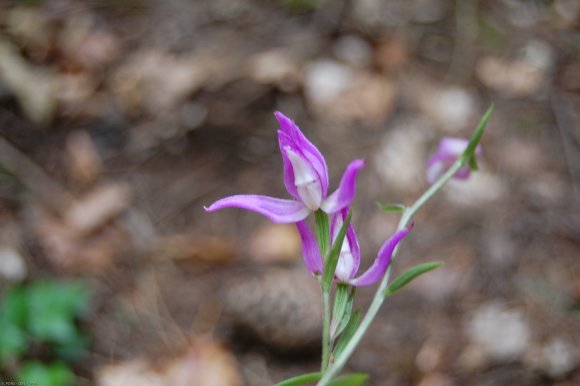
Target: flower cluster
column 334, row 255
column 306, row 180
column 305, row 177
column 349, row 258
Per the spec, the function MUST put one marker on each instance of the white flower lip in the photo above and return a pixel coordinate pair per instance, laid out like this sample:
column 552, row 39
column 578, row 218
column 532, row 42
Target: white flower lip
column 306, row 180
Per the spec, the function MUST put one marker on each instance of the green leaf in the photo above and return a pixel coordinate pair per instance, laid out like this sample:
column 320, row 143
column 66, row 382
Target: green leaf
column 74, row 348
column 356, row 379
column 332, row 260
column 410, row 275
column 342, row 310
column 322, row 231
column 38, row 373
column 13, row 342
column 348, row 333
column 53, row 307
column 14, row 306
column 395, row 208
column 301, row 379
column 302, row 5
column 469, row 152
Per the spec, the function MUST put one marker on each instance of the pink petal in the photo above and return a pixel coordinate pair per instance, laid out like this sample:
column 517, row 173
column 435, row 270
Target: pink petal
column 382, row 261
column 449, row 150
column 290, row 135
column 345, row 193
column 276, row 209
column 310, row 250
column 306, row 180
column 345, row 270
column 289, row 179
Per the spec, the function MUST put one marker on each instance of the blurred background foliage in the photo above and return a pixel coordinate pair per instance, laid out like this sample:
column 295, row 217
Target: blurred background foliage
column 119, row 120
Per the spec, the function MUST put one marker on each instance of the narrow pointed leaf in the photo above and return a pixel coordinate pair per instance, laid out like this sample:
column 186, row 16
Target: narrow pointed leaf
column 342, row 309
column 332, row 259
column 394, row 208
column 410, row 275
column 356, row 379
column 348, row 333
column 322, row 231
column 476, row 137
column 301, row 379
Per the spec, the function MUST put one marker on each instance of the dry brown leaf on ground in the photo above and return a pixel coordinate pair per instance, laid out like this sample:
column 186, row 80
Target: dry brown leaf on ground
column 280, row 307
column 275, row 243
column 278, row 67
column 392, row 55
column 85, row 44
column 33, row 86
column 513, row 78
column 29, row 26
column 337, row 92
column 451, row 108
column 69, row 251
column 157, row 82
column 97, row 207
column 75, row 93
column 85, row 164
column 204, row 363
column 194, row 249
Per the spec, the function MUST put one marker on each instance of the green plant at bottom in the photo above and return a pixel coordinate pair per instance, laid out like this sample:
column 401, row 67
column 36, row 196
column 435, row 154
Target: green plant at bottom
column 39, row 319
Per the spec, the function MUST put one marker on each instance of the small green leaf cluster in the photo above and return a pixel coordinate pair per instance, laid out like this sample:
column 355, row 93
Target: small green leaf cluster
column 354, row 379
column 39, row 319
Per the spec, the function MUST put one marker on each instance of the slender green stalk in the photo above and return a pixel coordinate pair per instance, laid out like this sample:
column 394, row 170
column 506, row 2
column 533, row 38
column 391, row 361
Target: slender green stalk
column 468, row 157
column 379, row 295
column 325, row 330
column 323, row 237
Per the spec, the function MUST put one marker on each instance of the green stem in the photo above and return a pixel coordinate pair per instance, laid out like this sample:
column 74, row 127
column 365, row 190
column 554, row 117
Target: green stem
column 323, row 237
column 379, row 295
column 325, row 330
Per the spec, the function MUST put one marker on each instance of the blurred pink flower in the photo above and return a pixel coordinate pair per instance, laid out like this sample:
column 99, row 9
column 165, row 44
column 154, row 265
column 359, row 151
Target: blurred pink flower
column 450, row 149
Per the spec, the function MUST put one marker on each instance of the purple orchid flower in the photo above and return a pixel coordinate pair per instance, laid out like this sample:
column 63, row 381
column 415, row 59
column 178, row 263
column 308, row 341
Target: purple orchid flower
column 449, row 150
column 305, row 177
column 349, row 258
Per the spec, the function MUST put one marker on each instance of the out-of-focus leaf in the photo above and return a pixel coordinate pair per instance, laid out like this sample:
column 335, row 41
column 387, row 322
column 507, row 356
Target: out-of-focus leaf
column 12, row 320
column 74, row 347
column 54, row 307
column 12, row 341
column 302, row 5
column 469, row 152
column 356, row 379
column 348, row 333
column 301, row 379
column 410, row 275
column 40, row 374
column 14, row 306
column 395, row 208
